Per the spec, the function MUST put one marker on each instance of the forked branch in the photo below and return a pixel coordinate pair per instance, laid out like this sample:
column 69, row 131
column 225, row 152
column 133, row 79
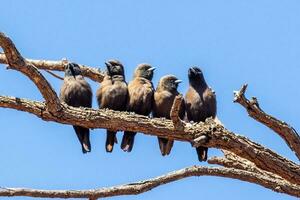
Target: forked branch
column 284, row 130
column 17, row 62
column 244, row 159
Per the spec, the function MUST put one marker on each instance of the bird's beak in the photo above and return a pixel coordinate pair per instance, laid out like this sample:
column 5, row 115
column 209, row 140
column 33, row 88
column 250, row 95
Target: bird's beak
column 193, row 70
column 108, row 65
column 151, row 69
column 178, row 81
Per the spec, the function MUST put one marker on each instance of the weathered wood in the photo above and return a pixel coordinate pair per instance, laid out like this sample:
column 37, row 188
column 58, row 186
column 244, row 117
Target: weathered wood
column 144, row 186
column 244, row 159
column 284, row 130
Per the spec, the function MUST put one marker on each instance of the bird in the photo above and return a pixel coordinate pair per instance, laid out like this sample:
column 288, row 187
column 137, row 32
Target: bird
column 112, row 94
column 140, row 99
column 200, row 103
column 164, row 96
column 76, row 91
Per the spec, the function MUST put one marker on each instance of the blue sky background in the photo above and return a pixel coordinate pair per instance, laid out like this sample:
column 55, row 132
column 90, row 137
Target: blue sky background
column 235, row 42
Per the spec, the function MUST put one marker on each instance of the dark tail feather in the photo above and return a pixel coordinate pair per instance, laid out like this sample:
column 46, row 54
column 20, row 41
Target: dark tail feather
column 111, row 139
column 83, row 135
column 165, row 145
column 202, row 153
column 128, row 141
column 169, row 146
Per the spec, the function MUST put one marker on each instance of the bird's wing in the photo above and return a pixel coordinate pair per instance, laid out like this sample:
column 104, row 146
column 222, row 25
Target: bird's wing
column 211, row 102
column 140, row 97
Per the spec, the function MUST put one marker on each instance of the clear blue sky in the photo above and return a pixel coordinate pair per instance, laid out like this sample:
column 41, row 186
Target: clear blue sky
column 235, row 42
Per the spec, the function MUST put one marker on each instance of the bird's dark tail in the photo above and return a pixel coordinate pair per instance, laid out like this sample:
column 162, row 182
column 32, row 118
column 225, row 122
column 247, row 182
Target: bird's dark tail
column 83, row 135
column 165, row 145
column 202, row 153
column 111, row 139
column 128, row 141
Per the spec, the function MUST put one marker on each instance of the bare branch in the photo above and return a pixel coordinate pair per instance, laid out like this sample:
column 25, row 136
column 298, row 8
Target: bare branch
column 91, row 72
column 17, row 62
column 174, row 114
column 144, row 186
column 219, row 136
column 284, row 130
column 233, row 161
column 244, row 160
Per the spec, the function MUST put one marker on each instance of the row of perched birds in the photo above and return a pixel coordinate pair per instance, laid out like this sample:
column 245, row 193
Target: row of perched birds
column 140, row 97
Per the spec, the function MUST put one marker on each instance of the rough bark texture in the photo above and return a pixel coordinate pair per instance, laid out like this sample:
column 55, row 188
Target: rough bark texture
column 285, row 131
column 17, row 62
column 174, row 114
column 93, row 73
column 144, row 186
column 244, row 159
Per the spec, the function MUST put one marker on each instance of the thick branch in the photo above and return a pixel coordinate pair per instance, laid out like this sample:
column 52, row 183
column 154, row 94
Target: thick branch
column 17, row 62
column 93, row 73
column 219, row 136
column 285, row 131
column 250, row 161
column 144, row 186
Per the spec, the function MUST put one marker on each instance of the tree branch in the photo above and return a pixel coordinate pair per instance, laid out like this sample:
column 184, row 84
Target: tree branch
column 54, row 75
column 90, row 72
column 219, row 136
column 17, row 62
column 144, row 186
column 233, row 161
column 284, row 130
column 246, row 160
column 174, row 114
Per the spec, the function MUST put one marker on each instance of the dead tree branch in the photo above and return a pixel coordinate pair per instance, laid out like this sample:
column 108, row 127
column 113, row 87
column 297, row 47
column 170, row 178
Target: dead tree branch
column 91, row 72
column 144, row 186
column 174, row 114
column 17, row 62
column 233, row 161
column 244, row 159
column 219, row 136
column 285, row 131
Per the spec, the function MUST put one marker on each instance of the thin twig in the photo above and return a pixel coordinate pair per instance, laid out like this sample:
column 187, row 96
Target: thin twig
column 55, row 75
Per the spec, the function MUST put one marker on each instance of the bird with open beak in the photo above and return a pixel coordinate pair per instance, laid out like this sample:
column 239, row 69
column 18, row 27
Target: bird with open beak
column 140, row 99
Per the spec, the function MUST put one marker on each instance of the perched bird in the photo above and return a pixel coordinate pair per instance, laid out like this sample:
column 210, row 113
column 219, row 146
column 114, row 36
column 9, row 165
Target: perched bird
column 112, row 94
column 140, row 99
column 200, row 103
column 76, row 92
column 164, row 96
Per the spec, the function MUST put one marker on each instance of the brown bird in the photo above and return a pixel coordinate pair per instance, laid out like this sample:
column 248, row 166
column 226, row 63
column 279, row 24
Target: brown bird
column 164, row 96
column 200, row 103
column 112, row 94
column 76, row 92
column 140, row 99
